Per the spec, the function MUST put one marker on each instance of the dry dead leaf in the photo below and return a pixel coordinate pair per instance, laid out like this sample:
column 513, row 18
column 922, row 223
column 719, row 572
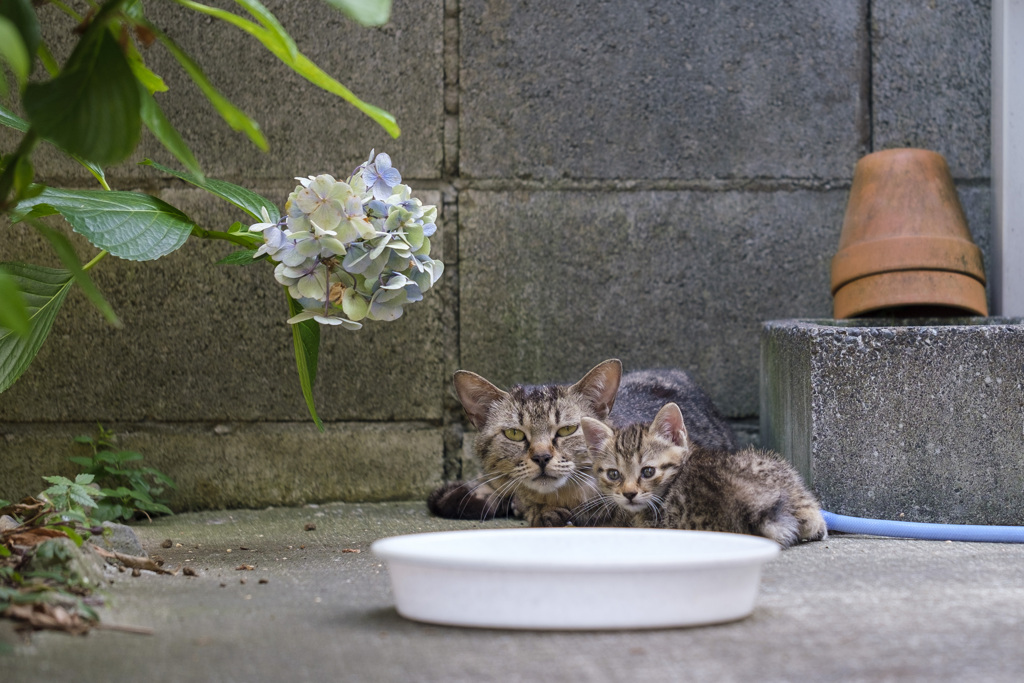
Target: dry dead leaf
column 244, row 568
column 41, row 615
column 33, row 536
column 132, row 561
column 351, row 550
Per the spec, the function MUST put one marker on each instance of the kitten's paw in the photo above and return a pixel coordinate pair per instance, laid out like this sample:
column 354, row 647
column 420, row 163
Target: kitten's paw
column 784, row 530
column 812, row 526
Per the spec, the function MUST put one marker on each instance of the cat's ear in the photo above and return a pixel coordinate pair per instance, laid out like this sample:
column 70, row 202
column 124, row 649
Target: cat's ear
column 476, row 395
column 668, row 424
column 597, row 433
column 600, row 385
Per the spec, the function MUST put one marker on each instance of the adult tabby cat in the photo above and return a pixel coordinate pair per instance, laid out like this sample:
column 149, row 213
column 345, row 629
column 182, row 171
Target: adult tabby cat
column 534, row 458
column 651, row 475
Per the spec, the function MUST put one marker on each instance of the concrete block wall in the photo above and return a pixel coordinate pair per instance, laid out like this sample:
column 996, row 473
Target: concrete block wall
column 644, row 180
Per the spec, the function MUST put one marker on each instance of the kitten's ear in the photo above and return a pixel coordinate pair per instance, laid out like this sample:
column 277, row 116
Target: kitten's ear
column 600, row 385
column 597, row 433
column 476, row 395
column 668, row 424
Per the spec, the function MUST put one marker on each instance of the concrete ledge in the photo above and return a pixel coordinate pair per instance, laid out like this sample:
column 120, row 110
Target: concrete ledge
column 920, row 421
column 233, row 465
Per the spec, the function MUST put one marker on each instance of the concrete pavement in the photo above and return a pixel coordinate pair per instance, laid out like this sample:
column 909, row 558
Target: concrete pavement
column 847, row 609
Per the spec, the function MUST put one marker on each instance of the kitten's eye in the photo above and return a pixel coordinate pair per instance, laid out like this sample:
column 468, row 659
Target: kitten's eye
column 612, row 475
column 515, row 434
column 647, row 472
column 567, row 430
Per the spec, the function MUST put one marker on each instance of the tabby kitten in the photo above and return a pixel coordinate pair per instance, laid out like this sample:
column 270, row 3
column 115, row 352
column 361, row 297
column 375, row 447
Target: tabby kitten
column 529, row 444
column 653, row 476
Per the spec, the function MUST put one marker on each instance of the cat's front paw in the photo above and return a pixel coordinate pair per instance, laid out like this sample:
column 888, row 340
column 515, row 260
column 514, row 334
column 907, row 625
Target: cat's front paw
column 548, row 516
column 555, row 517
column 812, row 526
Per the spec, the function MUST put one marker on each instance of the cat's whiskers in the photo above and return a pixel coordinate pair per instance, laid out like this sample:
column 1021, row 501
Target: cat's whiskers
column 491, row 503
column 584, row 483
column 504, row 492
column 599, row 504
column 655, row 504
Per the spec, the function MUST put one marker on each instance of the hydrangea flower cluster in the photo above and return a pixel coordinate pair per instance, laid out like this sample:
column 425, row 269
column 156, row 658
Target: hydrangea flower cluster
column 355, row 249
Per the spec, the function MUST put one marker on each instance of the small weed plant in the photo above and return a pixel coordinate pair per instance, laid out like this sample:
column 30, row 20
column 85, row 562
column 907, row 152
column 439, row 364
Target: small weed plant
column 41, row 582
column 130, row 491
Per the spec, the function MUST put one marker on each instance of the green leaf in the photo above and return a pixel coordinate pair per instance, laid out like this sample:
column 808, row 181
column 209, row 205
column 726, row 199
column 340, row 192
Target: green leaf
column 72, row 534
column 242, row 257
column 47, row 59
column 84, row 479
column 13, row 311
column 119, row 492
column 92, row 107
column 154, row 507
column 21, row 15
column 366, row 12
column 301, row 64
column 67, row 255
column 244, row 199
column 44, row 290
column 14, row 53
column 306, row 339
column 130, row 225
column 231, row 114
column 270, row 22
column 140, row 496
column 167, row 134
column 161, row 477
column 83, row 497
column 12, row 120
column 146, row 78
column 19, row 39
column 127, row 456
column 9, row 119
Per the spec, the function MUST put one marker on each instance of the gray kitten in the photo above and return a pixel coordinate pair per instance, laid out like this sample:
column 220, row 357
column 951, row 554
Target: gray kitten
column 534, row 458
column 651, row 475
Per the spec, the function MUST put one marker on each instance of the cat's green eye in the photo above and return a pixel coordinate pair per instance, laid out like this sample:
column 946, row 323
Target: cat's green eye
column 515, row 434
column 568, row 430
column 647, row 472
column 613, row 475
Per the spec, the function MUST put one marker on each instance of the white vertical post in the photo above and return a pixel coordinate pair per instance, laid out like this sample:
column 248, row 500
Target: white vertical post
column 1007, row 270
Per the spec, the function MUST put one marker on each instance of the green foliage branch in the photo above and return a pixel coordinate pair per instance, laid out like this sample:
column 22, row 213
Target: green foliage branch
column 93, row 109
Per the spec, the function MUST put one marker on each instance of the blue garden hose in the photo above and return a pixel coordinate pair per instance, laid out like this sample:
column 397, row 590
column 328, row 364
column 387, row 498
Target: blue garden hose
column 930, row 532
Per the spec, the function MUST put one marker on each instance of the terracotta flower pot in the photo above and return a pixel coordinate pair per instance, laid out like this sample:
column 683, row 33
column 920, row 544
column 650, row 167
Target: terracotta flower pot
column 905, row 241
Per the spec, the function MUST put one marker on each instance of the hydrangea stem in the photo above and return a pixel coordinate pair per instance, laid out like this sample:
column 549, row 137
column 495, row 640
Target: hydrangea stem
column 96, row 259
column 240, row 240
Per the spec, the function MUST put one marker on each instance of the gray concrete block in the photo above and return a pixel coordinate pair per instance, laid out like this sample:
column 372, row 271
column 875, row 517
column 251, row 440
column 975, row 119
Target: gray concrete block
column 645, row 90
column 553, row 283
column 896, row 420
column 397, row 67
column 244, row 464
column 205, row 342
column 931, row 80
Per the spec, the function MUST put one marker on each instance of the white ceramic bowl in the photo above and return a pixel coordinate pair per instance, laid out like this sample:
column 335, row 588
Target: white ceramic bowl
column 575, row 578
